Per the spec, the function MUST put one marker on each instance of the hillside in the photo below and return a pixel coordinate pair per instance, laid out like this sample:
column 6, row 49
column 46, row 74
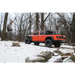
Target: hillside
column 14, row 54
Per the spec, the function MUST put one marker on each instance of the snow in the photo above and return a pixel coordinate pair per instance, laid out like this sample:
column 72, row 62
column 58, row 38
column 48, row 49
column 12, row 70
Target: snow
column 67, row 60
column 67, row 46
column 67, row 51
column 12, row 54
column 53, row 58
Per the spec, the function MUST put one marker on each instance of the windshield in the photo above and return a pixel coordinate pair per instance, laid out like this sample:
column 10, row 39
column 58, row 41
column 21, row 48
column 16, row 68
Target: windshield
column 54, row 32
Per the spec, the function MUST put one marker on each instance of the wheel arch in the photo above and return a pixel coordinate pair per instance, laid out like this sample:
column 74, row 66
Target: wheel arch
column 29, row 37
column 51, row 38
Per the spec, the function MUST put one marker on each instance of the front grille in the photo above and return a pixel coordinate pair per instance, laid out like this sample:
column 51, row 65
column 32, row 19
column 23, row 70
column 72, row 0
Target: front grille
column 61, row 37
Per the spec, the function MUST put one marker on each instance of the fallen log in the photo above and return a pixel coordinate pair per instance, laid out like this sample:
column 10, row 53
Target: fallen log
column 16, row 43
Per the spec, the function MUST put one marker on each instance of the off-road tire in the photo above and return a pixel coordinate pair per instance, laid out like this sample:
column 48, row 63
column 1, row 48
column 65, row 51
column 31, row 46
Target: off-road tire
column 27, row 41
column 57, row 45
column 48, row 43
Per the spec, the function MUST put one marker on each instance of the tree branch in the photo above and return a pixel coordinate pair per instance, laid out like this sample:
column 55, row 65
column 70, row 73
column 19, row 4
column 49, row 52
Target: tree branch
column 46, row 17
column 63, row 18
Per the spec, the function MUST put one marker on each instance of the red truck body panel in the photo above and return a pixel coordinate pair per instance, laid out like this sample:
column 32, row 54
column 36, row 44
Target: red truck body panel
column 46, row 36
column 43, row 37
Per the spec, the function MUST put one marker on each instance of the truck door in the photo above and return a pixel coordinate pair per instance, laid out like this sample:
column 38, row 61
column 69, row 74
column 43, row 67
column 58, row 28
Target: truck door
column 36, row 36
column 42, row 36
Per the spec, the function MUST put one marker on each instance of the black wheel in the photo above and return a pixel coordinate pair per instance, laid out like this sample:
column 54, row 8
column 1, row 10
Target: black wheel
column 27, row 41
column 57, row 45
column 36, row 43
column 48, row 43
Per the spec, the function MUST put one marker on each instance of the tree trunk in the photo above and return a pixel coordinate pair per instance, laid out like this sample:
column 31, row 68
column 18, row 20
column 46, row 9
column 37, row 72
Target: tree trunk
column 37, row 20
column 42, row 21
column 73, row 28
column 20, row 32
column 23, row 33
column 4, row 27
column 15, row 32
column 21, row 27
column 30, row 22
column 0, row 30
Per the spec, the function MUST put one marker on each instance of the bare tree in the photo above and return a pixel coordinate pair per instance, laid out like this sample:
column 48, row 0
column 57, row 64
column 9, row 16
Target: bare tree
column 43, row 20
column 22, row 25
column 30, row 23
column 66, row 22
column 72, row 30
column 4, row 27
column 1, row 22
column 37, row 21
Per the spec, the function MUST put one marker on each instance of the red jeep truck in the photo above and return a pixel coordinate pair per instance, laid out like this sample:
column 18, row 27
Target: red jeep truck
column 46, row 36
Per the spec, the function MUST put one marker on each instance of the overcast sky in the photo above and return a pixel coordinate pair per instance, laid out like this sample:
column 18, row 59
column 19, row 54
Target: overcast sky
column 12, row 15
column 12, row 12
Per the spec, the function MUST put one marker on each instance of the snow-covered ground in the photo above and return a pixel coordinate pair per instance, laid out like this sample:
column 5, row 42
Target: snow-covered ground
column 12, row 54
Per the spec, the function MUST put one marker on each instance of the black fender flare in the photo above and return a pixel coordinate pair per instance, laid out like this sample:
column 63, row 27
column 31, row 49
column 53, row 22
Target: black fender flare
column 50, row 37
column 30, row 37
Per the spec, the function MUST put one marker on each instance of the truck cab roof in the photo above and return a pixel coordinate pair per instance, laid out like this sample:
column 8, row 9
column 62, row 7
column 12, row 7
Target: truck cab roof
column 45, row 32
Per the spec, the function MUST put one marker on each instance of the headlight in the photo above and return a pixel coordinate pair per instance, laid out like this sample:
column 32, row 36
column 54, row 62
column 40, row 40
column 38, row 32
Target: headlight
column 57, row 36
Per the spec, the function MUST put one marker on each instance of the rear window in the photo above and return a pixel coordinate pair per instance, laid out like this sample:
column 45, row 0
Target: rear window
column 49, row 32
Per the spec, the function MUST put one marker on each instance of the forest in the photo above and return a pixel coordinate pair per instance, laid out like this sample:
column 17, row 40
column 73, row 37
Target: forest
column 16, row 26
